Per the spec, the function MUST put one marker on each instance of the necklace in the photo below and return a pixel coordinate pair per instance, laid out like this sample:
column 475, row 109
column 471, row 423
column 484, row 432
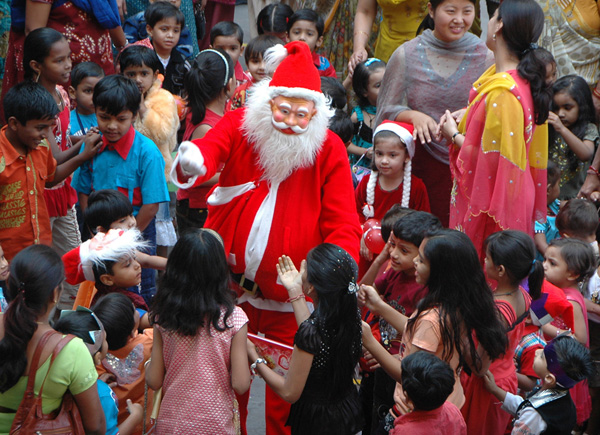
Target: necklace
column 505, row 294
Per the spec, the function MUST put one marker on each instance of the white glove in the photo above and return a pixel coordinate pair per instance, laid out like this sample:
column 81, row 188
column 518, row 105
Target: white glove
column 190, row 159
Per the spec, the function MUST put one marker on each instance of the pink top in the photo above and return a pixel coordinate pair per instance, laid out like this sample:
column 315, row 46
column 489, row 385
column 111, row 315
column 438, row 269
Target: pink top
column 445, row 420
column 198, row 396
column 574, row 295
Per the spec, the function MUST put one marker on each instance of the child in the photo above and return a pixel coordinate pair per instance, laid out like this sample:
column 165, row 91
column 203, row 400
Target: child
column 546, row 232
column 253, row 54
column 208, row 85
column 341, row 125
column 273, row 20
column 427, row 383
column 128, row 352
column 306, row 25
column 574, row 136
column 399, row 289
column 46, row 59
column 229, row 37
column 510, row 258
column 135, row 30
column 457, row 304
column 30, row 112
column 327, row 346
column 578, row 219
column 199, row 355
column 394, row 148
column 84, row 324
column 129, row 161
column 108, row 259
column 163, row 24
column 366, row 82
column 334, row 90
column 83, row 80
column 568, row 263
column 158, row 120
column 4, row 273
column 560, row 365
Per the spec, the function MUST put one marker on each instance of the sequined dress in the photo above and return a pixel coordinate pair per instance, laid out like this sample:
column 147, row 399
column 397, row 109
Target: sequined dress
column 325, row 408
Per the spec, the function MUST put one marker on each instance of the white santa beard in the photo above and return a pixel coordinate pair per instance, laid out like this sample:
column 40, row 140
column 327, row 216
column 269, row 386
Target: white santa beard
column 279, row 153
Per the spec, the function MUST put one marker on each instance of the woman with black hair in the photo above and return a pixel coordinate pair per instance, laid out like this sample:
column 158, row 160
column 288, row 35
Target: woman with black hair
column 34, row 286
column 499, row 151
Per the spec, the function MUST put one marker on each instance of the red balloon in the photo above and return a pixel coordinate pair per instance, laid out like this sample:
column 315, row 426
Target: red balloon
column 370, row 224
column 374, row 240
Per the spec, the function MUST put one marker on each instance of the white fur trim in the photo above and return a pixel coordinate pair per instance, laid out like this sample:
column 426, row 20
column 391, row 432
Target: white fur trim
column 401, row 132
column 224, row 194
column 259, row 233
column 406, row 182
column 368, row 209
column 273, row 57
column 112, row 246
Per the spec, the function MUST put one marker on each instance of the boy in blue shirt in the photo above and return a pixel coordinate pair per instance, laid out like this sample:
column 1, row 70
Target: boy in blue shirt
column 83, row 80
column 128, row 162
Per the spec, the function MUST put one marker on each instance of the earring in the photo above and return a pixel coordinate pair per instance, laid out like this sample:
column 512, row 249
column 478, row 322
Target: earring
column 37, row 77
column 494, row 36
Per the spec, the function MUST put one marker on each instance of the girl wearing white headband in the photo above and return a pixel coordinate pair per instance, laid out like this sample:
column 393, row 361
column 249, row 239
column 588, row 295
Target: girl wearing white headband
column 391, row 181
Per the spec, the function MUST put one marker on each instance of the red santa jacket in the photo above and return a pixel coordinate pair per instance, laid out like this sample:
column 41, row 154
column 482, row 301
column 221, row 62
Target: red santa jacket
column 313, row 205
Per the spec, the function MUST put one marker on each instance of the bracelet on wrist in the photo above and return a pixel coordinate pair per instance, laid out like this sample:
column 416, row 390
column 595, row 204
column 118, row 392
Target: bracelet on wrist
column 596, row 93
column 255, row 363
column 593, row 171
column 360, row 32
column 454, row 137
column 296, row 298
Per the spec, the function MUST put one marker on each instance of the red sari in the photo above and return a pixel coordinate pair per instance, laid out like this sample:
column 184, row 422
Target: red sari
column 499, row 173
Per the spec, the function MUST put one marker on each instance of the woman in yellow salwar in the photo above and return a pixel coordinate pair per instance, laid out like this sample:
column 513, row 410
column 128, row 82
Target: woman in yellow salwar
column 499, row 151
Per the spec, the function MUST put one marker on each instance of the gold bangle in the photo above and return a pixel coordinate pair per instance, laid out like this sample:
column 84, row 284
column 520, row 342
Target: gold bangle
column 358, row 32
column 596, row 93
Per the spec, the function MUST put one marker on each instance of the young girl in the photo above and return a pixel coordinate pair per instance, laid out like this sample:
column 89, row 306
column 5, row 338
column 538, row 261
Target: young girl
column 574, row 135
column 457, row 308
column 84, row 324
column 366, row 82
column 568, row 263
column 46, row 60
column 510, row 258
column 199, row 352
column 391, row 181
column 208, row 85
column 273, row 19
column 327, row 346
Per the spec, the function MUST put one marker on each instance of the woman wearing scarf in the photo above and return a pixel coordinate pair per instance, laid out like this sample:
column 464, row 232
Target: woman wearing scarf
column 426, row 75
column 499, row 150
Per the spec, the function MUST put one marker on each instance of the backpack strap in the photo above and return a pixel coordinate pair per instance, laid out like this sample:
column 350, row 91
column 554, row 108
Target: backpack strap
column 62, row 343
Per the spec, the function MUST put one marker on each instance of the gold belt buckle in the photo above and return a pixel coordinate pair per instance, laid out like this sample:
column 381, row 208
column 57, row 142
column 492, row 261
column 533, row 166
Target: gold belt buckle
column 250, row 292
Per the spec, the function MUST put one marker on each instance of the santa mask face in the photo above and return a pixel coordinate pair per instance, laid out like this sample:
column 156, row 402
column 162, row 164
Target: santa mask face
column 292, row 115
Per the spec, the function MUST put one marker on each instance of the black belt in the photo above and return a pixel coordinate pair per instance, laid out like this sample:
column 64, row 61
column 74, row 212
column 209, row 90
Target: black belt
column 245, row 284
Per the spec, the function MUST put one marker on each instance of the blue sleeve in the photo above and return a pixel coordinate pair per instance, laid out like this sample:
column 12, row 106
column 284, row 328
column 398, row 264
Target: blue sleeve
column 135, row 28
column 185, row 45
column 82, row 178
column 108, row 400
column 153, row 184
column 540, row 227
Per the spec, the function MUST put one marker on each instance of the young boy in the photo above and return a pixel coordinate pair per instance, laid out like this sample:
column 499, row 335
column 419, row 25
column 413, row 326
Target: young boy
column 28, row 166
column 427, row 381
column 135, row 30
column 128, row 162
column 83, row 80
column 229, row 37
column 399, row 289
column 578, row 219
column 253, row 54
column 128, row 351
column 560, row 366
column 163, row 24
column 546, row 232
column 308, row 26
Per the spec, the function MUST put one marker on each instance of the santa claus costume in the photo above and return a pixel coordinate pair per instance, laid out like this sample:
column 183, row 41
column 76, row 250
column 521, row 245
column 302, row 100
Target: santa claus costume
column 280, row 192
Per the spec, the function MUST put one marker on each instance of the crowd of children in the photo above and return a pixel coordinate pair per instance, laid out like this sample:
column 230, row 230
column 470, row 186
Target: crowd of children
column 418, row 334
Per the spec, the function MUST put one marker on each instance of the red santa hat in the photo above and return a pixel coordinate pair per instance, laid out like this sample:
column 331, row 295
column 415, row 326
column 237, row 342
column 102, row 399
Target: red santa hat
column 293, row 71
column 402, row 130
column 112, row 246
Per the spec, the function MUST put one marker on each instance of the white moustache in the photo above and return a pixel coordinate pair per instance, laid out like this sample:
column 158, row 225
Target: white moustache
column 283, row 126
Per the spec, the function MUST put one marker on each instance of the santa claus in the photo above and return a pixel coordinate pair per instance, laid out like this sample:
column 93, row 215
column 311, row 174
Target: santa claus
column 285, row 188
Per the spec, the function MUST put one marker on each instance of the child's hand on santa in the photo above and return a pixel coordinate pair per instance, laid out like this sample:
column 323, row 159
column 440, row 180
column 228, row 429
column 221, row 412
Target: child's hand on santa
column 289, row 276
column 191, row 161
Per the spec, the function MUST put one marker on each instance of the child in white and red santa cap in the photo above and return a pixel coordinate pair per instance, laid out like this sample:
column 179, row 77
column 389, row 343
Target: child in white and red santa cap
column 108, row 259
